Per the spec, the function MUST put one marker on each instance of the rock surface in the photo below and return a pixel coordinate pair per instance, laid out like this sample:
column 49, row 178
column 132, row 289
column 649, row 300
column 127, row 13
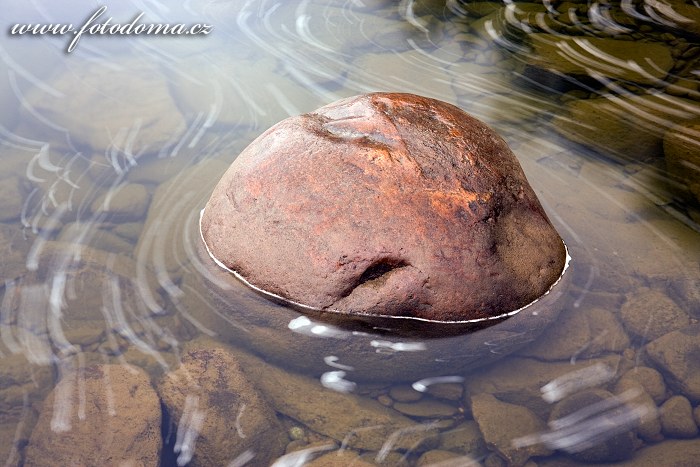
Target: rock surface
column 614, row 447
column 120, row 425
column 142, row 116
column 210, row 395
column 682, row 154
column 675, row 354
column 336, row 193
column 649, row 314
column 501, row 423
column 587, row 56
column 677, row 418
column 629, row 127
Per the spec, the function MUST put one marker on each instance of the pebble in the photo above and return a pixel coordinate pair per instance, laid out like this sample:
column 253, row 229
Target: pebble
column 405, row 394
column 426, row 408
column 677, row 418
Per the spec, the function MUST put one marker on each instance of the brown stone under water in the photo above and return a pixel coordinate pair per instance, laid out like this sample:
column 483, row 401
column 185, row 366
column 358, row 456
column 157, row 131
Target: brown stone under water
column 385, row 204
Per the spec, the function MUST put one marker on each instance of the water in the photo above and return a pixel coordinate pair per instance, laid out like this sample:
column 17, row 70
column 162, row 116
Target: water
column 110, row 151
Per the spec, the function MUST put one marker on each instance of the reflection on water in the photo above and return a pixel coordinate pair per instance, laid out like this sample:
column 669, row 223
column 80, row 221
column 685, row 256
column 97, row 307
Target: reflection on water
column 108, row 308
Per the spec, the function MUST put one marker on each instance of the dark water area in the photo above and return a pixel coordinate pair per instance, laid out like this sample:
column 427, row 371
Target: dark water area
column 122, row 344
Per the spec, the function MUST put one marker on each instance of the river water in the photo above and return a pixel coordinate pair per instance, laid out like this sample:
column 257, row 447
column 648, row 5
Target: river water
column 110, row 151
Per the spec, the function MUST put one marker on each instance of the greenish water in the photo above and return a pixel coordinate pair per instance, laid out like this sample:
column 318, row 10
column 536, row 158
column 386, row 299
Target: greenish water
column 109, row 153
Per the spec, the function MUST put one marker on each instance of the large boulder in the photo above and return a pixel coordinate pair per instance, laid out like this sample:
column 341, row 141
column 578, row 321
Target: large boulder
column 385, row 204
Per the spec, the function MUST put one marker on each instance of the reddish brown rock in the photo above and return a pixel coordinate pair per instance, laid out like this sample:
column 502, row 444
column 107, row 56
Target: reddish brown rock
column 385, row 204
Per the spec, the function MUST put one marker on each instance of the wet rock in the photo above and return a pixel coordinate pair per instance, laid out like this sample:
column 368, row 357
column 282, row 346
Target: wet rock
column 650, row 379
column 23, row 386
column 359, row 422
column 465, row 438
column 501, row 423
column 479, row 9
column 210, row 395
column 12, row 199
column 440, row 457
column 377, row 261
column 83, row 317
column 649, row 427
column 125, row 203
column 626, row 127
column 683, row 15
column 677, row 418
column 670, row 453
column 449, row 391
column 582, row 333
column 649, row 314
column 16, row 245
column 340, row 457
column 136, row 114
column 682, row 154
column 675, row 353
column 91, row 234
column 426, row 408
column 405, row 394
column 615, row 447
column 520, row 380
column 581, row 56
column 114, row 418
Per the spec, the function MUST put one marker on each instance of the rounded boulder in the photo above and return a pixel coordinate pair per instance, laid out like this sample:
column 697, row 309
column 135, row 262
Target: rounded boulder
column 385, row 204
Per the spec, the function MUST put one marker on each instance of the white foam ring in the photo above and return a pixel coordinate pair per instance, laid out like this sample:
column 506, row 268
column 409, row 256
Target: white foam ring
column 411, row 318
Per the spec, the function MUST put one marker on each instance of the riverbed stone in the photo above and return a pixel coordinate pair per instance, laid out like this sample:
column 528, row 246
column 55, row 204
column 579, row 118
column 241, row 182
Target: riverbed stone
column 426, row 408
column 136, row 112
column 501, row 423
column 211, row 393
column 677, row 418
column 359, row 422
column 651, row 380
column 582, row 333
column 127, row 202
column 464, row 438
column 617, row 447
column 581, row 56
column 519, row 380
column 670, row 453
column 608, row 125
column 444, row 168
column 121, row 421
column 674, row 353
column 649, row 314
column 15, row 242
column 649, row 428
column 12, row 199
column 682, row 154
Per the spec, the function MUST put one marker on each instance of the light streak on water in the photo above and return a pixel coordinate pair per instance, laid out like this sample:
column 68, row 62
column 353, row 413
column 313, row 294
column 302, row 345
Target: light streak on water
column 390, row 347
column 590, row 425
column 336, row 381
column 188, row 429
column 423, row 384
column 301, row 457
column 574, row 381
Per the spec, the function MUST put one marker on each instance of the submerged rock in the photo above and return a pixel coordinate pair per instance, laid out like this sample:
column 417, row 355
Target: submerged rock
column 102, row 415
column 682, row 154
column 210, row 400
column 675, row 354
column 594, row 56
column 385, row 205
